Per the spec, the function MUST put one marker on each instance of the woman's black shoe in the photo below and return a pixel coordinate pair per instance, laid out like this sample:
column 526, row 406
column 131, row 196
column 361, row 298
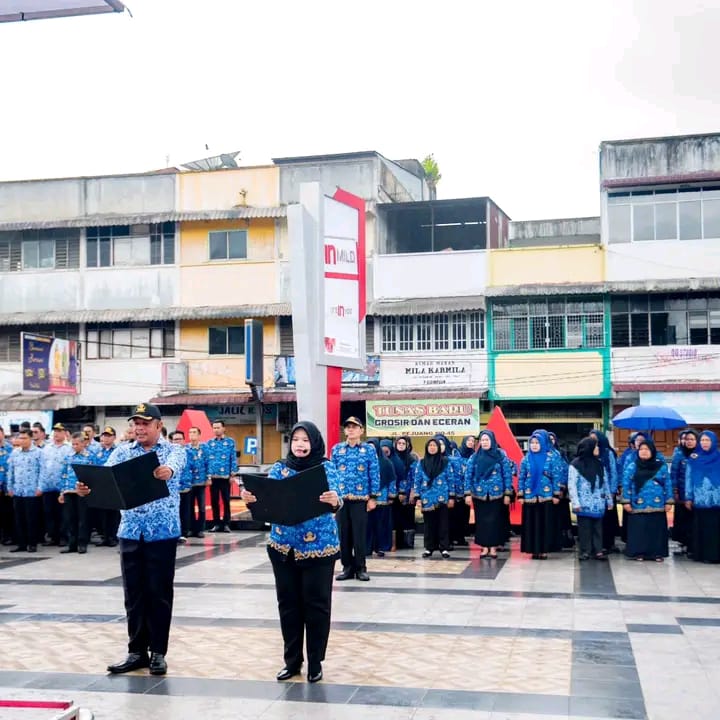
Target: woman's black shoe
column 286, row 673
column 315, row 675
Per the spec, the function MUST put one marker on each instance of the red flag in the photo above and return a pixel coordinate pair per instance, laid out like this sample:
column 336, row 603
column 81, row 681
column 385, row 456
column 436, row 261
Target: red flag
column 505, row 438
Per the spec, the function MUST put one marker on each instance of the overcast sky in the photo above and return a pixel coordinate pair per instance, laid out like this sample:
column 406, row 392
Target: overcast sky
column 512, row 96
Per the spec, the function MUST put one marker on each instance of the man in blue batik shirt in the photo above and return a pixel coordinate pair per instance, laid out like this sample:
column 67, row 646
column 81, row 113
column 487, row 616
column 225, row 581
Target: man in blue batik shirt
column 6, row 502
column 108, row 520
column 222, row 464
column 148, row 545
column 23, row 485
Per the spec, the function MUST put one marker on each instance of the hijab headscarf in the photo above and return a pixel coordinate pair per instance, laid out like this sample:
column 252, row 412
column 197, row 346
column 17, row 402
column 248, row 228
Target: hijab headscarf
column 445, row 443
column 586, row 463
column 317, row 447
column 686, row 451
column 433, row 465
column 486, row 460
column 537, row 460
column 706, row 463
column 646, row 469
column 397, row 463
column 465, row 451
column 387, row 471
column 607, row 454
column 406, row 455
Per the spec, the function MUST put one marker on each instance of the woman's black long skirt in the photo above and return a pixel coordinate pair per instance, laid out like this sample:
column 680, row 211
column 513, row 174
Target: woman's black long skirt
column 490, row 522
column 610, row 527
column 706, row 535
column 539, row 528
column 682, row 529
column 647, row 535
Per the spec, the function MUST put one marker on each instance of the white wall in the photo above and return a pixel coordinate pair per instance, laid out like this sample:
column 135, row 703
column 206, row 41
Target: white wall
column 672, row 363
column 663, row 260
column 119, row 382
column 417, row 275
column 10, row 378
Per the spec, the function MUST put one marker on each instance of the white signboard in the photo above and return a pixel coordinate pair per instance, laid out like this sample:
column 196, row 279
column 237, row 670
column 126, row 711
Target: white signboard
column 436, row 372
column 668, row 363
column 697, row 408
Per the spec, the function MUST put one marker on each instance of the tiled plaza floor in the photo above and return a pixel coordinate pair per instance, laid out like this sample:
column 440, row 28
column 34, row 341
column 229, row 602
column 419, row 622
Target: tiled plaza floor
column 511, row 639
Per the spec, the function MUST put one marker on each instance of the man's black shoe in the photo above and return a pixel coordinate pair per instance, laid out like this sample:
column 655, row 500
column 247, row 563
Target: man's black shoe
column 32, row 548
column 200, row 535
column 69, row 549
column 361, row 575
column 346, row 574
column 215, row 528
column 82, row 549
column 19, row 548
column 286, row 673
column 315, row 675
column 226, row 529
column 134, row 661
column 158, row 666
column 49, row 543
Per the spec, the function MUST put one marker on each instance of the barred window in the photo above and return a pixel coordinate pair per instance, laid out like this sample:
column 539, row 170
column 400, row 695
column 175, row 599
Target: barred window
column 54, row 249
column 459, row 331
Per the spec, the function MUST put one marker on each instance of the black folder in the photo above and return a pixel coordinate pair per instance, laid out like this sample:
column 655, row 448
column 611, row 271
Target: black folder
column 124, row 486
column 289, row 501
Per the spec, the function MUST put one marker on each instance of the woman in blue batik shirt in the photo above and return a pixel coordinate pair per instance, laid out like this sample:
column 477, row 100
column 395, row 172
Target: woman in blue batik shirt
column 647, row 498
column 608, row 458
column 379, row 526
column 539, row 488
column 682, row 517
column 303, row 559
column 590, row 497
column 434, row 491
column 702, row 492
column 405, row 519
column 460, row 514
column 488, row 487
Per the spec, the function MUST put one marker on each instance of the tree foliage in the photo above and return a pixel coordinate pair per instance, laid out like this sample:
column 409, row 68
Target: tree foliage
column 432, row 171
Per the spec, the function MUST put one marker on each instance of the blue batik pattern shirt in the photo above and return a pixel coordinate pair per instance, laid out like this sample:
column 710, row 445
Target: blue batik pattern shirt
column 221, row 457
column 5, row 450
column 702, row 485
column 495, row 484
column 358, row 471
column 678, row 471
column 104, row 455
column 185, row 480
column 53, row 464
column 314, row 538
column 553, row 479
column 24, row 470
column 591, row 503
column 197, row 462
column 654, row 495
column 68, row 478
column 160, row 519
column 439, row 492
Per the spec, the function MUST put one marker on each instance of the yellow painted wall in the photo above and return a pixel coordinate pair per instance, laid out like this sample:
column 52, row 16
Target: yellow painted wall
column 220, row 189
column 549, row 375
column 551, row 265
column 228, row 282
column 221, row 372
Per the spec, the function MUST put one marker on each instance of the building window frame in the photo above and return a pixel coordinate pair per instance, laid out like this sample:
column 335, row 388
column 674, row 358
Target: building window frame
column 433, row 333
column 226, row 340
column 130, row 341
column 224, row 245
column 131, row 245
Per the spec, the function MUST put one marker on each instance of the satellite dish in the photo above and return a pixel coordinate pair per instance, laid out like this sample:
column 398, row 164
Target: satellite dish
column 216, row 162
column 228, row 160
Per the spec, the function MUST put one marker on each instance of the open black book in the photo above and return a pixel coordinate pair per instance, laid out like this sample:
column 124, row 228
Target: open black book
column 124, row 486
column 289, row 501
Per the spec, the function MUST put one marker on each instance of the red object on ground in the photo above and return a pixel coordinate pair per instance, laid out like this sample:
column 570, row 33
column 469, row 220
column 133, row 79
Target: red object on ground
column 195, row 418
column 36, row 704
column 505, row 438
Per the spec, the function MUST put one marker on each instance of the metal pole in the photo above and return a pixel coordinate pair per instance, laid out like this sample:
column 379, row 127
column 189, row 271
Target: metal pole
column 259, row 431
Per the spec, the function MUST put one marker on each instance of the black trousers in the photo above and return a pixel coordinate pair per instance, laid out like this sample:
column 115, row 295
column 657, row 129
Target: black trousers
column 459, row 521
column 304, row 592
column 52, row 512
column 7, row 517
column 590, row 535
column 185, row 509
column 197, row 498
column 75, row 515
column 110, row 522
column 220, row 488
column 27, row 519
column 437, row 528
column 352, row 523
column 148, row 573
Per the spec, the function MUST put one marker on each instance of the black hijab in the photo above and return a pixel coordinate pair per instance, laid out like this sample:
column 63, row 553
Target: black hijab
column 433, row 465
column 586, row 463
column 465, row 451
column 406, row 455
column 387, row 471
column 686, row 451
column 646, row 469
column 317, row 447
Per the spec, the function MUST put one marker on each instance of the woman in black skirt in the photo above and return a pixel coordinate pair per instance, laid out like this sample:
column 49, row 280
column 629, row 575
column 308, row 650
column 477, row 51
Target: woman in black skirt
column 682, row 517
column 611, row 522
column 647, row 498
column 703, row 498
column 488, row 486
column 539, row 487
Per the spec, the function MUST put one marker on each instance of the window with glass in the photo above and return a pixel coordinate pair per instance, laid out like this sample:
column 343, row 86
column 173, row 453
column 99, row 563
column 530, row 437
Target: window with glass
column 10, row 337
column 227, row 340
column 548, row 324
column 54, row 249
column 227, row 245
column 460, row 331
column 131, row 245
column 687, row 213
column 665, row 319
column 125, row 341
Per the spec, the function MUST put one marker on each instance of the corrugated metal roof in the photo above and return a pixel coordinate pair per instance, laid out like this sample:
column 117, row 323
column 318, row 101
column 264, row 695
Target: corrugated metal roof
column 241, row 213
column 146, row 314
column 229, row 398
column 37, row 402
column 423, row 306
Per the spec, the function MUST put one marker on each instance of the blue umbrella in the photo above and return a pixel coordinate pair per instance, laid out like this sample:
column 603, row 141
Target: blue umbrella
column 649, row 417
